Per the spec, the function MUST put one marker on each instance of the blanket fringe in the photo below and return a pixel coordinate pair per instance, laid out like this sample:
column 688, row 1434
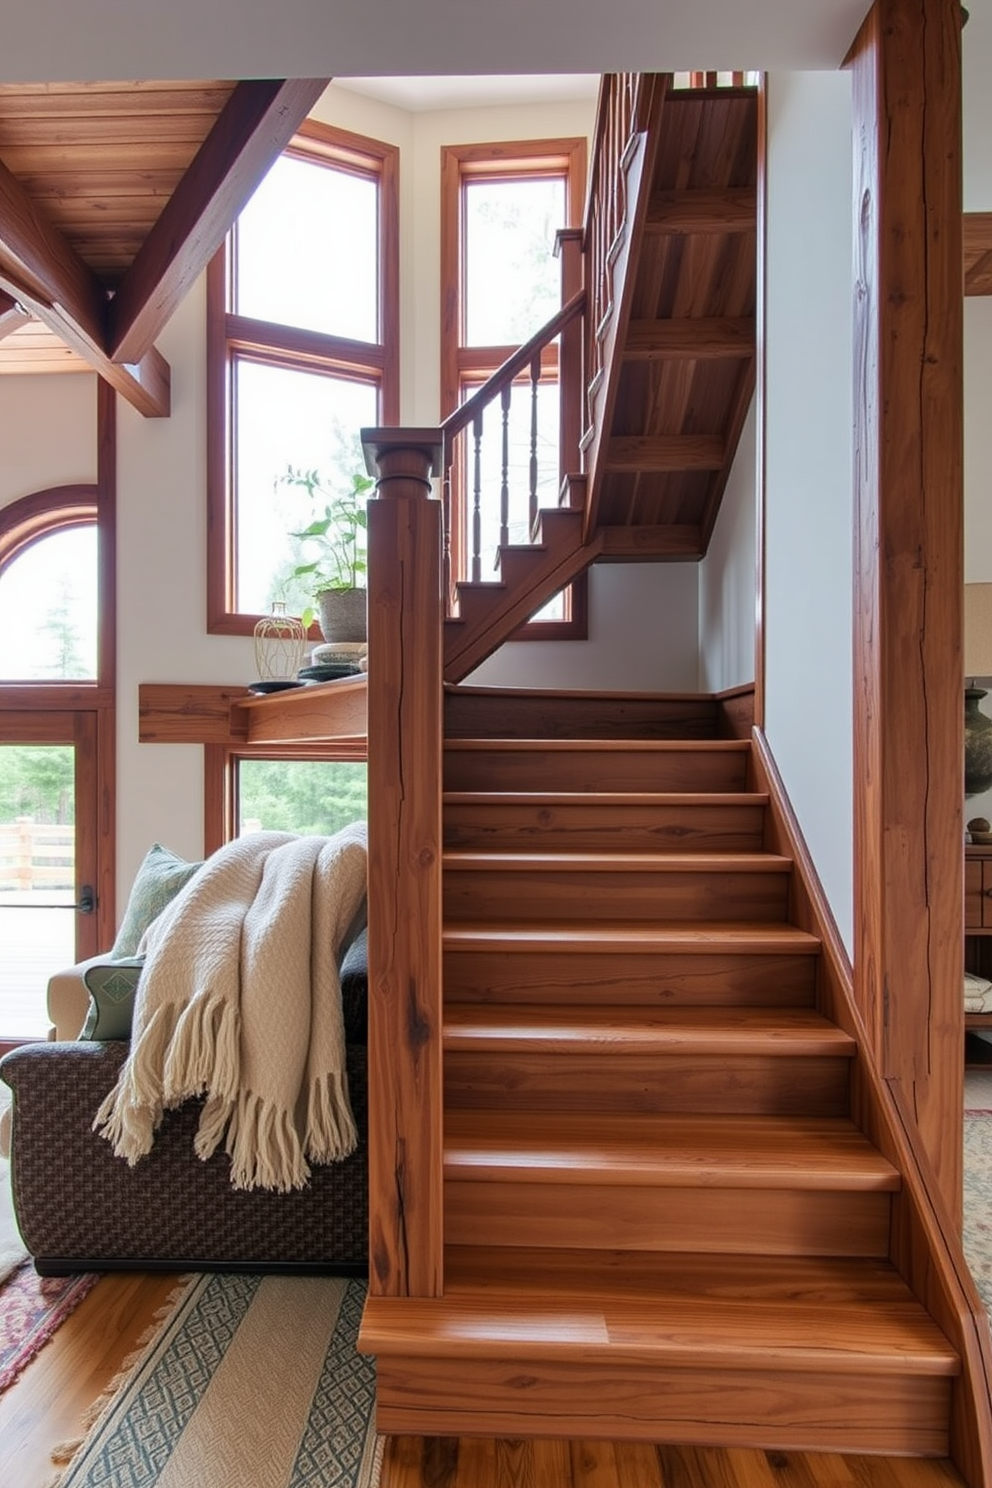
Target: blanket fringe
column 204, row 1054
column 130, row 1115
column 331, row 1132
column 264, row 1146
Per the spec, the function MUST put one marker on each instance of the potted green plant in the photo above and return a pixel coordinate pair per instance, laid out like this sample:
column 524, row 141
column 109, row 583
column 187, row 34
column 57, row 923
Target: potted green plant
column 336, row 575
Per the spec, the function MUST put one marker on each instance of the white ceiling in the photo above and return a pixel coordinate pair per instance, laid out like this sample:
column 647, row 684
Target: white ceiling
column 103, row 39
column 418, row 94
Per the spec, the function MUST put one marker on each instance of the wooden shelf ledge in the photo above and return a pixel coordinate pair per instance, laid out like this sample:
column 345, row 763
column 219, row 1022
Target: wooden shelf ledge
column 323, row 712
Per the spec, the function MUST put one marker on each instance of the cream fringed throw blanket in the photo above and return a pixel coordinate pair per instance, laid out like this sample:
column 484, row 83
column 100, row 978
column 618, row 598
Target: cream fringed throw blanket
column 239, row 1000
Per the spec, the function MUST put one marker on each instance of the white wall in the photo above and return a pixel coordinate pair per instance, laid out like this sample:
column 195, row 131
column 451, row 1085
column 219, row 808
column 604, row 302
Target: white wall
column 48, row 433
column 727, row 578
column 643, row 637
column 808, row 516
column 161, row 566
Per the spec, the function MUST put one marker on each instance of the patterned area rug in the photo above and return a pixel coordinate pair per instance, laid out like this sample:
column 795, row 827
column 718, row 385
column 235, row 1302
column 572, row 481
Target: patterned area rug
column 31, row 1308
column 252, row 1380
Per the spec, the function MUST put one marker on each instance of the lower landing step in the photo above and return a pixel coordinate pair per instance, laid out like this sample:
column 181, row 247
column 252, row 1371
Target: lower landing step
column 779, row 1353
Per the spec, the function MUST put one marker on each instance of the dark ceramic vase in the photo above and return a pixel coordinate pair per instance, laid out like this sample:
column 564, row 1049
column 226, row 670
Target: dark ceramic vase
column 977, row 744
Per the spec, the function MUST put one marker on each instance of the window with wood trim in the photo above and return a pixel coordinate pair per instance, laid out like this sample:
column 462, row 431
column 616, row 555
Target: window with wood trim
column 302, row 351
column 48, row 545
column 501, row 207
column 292, row 788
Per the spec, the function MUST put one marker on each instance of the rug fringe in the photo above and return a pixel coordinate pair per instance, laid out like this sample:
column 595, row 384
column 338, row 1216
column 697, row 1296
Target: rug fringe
column 64, row 1453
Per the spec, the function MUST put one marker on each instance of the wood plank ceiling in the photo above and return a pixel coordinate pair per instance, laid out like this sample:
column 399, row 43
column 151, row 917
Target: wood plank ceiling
column 113, row 196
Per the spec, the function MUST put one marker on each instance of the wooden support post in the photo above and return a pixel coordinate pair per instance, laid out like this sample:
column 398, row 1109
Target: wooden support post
column 908, row 750
column 404, row 752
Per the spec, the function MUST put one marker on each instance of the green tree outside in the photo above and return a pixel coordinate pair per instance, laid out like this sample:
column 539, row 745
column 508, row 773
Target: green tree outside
column 311, row 797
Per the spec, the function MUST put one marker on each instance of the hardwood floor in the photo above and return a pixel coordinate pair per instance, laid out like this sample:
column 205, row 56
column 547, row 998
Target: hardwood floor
column 47, row 1403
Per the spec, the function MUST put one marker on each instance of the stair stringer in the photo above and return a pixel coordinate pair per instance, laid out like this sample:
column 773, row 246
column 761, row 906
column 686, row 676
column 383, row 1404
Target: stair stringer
column 925, row 1239
column 466, row 645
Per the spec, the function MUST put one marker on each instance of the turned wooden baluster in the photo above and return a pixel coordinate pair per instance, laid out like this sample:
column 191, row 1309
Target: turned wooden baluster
column 404, row 815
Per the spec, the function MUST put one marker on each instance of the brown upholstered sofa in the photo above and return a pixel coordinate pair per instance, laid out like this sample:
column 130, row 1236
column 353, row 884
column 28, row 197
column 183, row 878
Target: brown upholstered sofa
column 80, row 1208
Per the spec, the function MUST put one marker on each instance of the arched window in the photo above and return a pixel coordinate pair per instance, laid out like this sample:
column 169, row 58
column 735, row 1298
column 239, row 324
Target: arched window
column 49, row 587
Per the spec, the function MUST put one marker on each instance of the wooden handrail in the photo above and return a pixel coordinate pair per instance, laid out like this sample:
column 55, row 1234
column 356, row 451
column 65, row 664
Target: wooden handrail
column 511, row 369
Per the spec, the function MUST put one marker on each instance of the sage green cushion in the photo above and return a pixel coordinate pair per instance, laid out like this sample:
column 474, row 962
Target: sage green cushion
column 158, row 881
column 111, row 985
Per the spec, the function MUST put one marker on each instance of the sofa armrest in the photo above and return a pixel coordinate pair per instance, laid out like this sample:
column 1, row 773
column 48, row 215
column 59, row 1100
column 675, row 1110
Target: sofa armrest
column 69, row 1001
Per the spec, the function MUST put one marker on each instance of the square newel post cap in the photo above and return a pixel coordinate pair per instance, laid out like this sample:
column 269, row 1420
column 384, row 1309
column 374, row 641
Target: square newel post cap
column 402, row 460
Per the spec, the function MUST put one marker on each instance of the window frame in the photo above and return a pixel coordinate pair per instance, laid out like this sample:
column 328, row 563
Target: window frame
column 221, row 806
column 231, row 337
column 465, row 366
column 24, row 521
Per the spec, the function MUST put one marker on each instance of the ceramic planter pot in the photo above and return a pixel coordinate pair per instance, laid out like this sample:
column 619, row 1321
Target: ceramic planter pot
column 343, row 614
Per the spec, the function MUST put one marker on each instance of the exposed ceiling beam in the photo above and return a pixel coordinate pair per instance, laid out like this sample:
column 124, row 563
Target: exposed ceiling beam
column 255, row 126
column 42, row 271
column 697, row 339
column 978, row 253
column 12, row 315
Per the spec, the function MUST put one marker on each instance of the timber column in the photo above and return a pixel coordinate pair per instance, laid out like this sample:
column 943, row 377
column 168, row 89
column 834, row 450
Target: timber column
column 405, row 760
column 908, row 598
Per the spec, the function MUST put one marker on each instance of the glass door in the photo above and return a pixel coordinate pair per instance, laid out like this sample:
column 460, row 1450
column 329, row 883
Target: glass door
column 48, row 868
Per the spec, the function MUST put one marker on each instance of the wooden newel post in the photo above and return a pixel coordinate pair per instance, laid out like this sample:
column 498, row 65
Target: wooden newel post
column 908, row 745
column 404, row 750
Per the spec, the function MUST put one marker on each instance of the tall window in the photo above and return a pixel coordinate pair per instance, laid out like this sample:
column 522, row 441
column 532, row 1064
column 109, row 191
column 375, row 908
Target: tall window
column 303, row 350
column 54, row 640
column 502, row 205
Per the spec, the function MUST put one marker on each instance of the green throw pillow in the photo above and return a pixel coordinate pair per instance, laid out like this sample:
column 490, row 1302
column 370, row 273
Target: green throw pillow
column 159, row 879
column 111, row 985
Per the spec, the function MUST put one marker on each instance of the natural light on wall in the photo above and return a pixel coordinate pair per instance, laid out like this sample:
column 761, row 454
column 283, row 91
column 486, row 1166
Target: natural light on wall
column 48, row 609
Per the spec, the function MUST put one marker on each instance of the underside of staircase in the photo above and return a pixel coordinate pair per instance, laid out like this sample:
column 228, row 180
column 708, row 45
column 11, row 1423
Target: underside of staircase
column 670, row 368
column 661, row 1220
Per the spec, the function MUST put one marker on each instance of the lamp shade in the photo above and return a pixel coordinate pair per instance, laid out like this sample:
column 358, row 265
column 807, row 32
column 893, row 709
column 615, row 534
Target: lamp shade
column 978, row 630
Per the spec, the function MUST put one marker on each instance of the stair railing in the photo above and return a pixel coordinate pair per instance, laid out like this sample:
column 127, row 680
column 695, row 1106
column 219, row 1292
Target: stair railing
column 488, row 508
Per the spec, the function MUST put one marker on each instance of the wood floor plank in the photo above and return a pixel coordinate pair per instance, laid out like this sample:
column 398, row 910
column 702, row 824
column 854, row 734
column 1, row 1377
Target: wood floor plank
column 46, row 1405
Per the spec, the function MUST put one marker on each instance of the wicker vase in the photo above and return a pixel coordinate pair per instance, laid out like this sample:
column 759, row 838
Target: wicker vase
column 280, row 642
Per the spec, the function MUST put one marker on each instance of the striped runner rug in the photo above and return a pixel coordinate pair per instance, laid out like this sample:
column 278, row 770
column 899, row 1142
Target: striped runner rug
column 252, row 1381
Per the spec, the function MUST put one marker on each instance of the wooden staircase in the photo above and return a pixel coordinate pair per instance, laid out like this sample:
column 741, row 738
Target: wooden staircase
column 661, row 1221
column 670, row 276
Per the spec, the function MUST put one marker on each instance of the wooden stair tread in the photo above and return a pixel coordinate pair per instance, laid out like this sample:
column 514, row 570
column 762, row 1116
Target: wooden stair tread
column 697, row 1311
column 664, row 1151
column 593, row 799
column 603, row 746
column 616, row 862
column 616, row 937
column 614, row 1030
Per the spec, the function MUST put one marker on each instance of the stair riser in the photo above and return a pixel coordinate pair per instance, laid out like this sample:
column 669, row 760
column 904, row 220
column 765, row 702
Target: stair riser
column 593, row 770
column 600, row 979
column 501, row 715
column 772, row 1409
column 530, row 895
column 606, row 828
column 744, row 1221
column 685, row 1084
